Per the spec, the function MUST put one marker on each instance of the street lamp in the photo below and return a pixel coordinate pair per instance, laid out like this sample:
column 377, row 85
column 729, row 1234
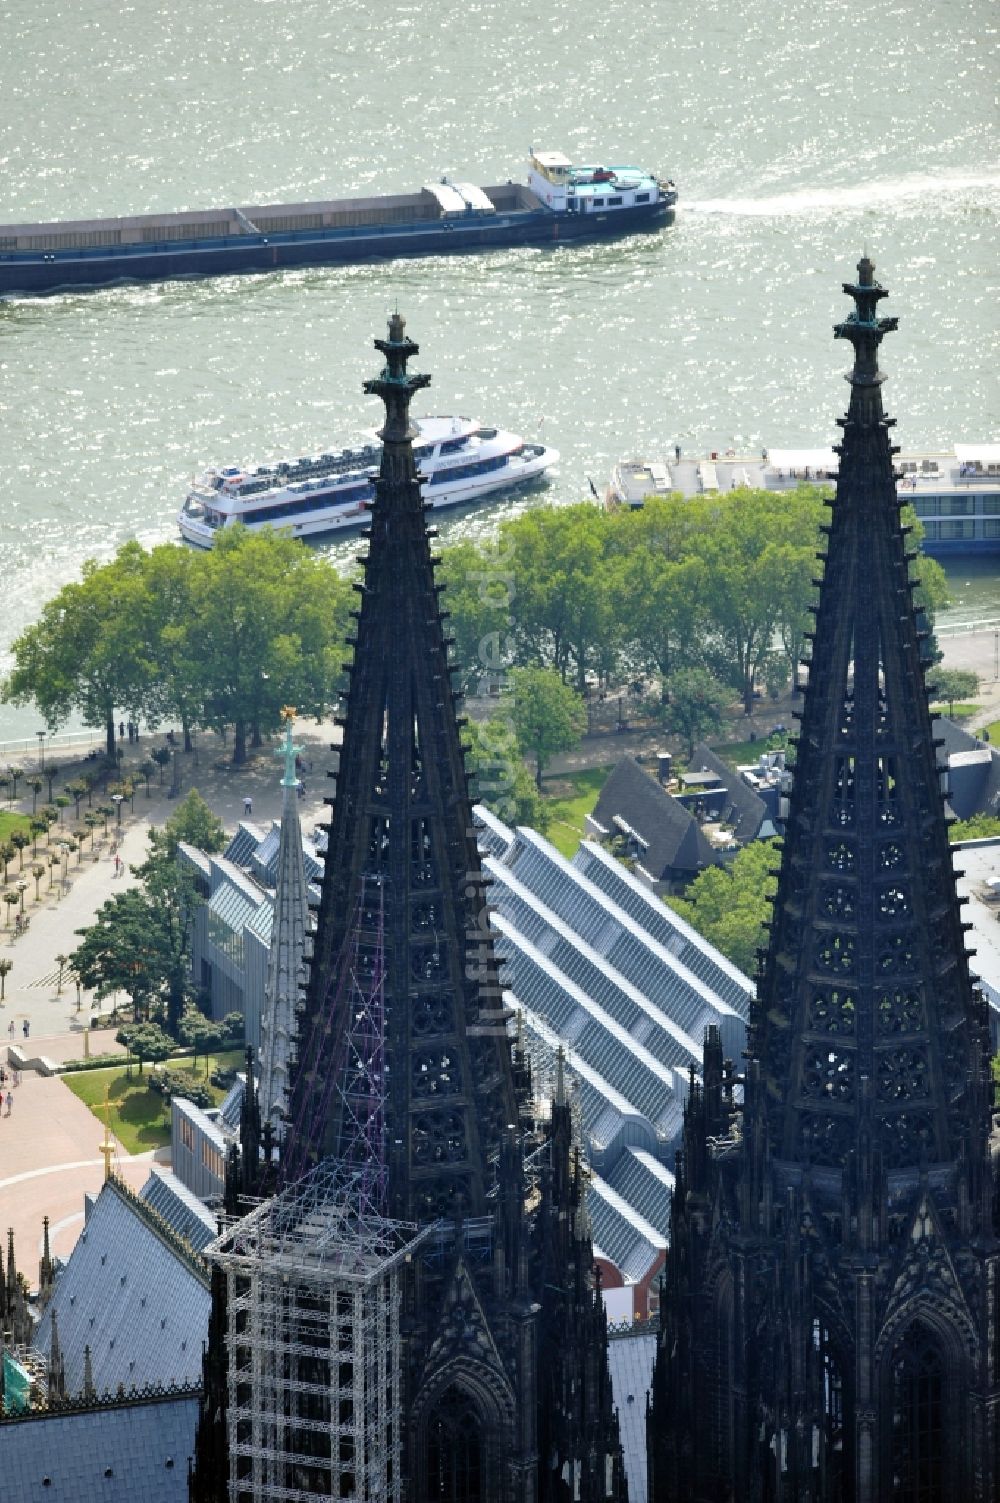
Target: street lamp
column 116, row 799
column 41, row 748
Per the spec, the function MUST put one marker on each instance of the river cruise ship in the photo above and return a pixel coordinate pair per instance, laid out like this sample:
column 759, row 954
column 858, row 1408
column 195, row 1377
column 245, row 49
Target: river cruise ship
column 956, row 495
column 458, row 459
column 561, row 201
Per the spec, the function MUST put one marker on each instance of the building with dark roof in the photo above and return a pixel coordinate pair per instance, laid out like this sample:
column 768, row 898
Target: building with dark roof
column 728, row 799
column 661, row 838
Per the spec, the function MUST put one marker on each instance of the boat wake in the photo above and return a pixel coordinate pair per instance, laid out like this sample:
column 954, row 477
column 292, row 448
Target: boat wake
column 863, row 196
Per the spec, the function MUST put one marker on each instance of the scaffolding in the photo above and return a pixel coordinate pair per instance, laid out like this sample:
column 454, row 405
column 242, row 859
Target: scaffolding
column 314, row 1285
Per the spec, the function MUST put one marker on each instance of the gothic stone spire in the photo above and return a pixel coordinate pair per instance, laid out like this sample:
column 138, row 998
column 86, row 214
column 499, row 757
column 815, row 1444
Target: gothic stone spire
column 830, row 1327
column 403, row 879
column 867, row 1029
column 285, row 968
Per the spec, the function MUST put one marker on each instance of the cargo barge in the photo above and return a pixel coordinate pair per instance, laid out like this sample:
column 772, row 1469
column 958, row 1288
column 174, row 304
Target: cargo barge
column 560, row 202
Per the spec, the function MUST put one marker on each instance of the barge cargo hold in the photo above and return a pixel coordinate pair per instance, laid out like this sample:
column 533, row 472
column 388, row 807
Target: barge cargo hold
column 560, row 202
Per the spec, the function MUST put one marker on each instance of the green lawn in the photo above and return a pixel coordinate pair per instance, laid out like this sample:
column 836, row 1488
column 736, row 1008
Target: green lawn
column 960, row 711
column 568, row 810
column 140, row 1118
column 739, row 753
column 991, row 732
column 11, row 822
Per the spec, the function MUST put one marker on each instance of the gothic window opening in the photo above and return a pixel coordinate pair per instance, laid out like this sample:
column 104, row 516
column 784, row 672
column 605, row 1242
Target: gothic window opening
column 842, row 812
column 887, row 792
column 833, row 1408
column 416, row 764
column 918, row 1420
column 833, row 1010
column 423, row 868
column 828, row 1075
column 455, row 1460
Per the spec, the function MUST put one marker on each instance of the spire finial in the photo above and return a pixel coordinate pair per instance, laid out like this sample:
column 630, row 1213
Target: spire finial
column 287, row 750
column 863, row 327
column 107, row 1148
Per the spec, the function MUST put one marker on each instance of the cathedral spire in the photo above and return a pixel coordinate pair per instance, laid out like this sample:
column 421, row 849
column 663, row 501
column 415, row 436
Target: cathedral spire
column 828, row 1316
column 285, row 964
column 866, row 1027
column 403, row 882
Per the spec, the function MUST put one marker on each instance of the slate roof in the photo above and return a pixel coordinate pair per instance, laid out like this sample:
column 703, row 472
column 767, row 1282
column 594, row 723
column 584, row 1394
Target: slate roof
column 120, row 1453
column 180, row 1207
column 630, row 1359
column 742, row 809
column 665, row 926
column 646, row 1184
column 133, row 1293
column 620, row 1234
column 673, row 841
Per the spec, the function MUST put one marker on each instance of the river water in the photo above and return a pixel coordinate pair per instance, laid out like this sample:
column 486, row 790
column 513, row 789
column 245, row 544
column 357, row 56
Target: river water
column 800, row 132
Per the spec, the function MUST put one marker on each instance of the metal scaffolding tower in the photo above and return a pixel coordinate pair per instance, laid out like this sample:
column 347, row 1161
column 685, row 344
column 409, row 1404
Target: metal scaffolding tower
column 314, row 1353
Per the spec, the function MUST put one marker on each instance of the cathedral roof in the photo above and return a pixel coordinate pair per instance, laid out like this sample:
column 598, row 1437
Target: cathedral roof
column 179, row 1207
column 630, row 1359
column 126, row 1452
column 134, row 1293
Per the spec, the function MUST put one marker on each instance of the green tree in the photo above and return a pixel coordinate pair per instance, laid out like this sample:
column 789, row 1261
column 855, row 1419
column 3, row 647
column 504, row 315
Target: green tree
column 976, row 827
column 477, row 597
column 76, row 791
column 6, row 966
column 193, row 823
column 951, row 684
column 548, row 716
column 140, row 939
column 267, row 628
column 729, row 905
column 500, row 779
column 562, row 608
column 232, row 1029
column 84, row 654
column 36, row 785
column 147, row 1041
column 20, row 840
column 696, row 707
column 201, row 1034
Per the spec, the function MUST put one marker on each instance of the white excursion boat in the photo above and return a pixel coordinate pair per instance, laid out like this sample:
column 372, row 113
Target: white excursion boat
column 459, row 462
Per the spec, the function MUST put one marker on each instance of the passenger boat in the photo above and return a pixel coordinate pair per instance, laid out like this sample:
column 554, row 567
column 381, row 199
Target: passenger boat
column 955, row 495
column 560, row 202
column 459, row 462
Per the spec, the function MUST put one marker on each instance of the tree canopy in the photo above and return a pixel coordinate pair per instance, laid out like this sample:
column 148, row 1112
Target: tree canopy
column 547, row 715
column 729, row 905
column 220, row 639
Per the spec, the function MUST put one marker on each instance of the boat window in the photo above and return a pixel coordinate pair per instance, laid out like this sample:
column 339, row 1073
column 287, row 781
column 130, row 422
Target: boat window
column 486, row 433
column 465, row 471
column 286, row 511
column 642, row 198
column 598, row 203
column 452, row 445
column 614, row 202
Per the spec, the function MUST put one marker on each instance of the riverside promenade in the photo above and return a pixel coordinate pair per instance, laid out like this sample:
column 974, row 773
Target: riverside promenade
column 49, row 1144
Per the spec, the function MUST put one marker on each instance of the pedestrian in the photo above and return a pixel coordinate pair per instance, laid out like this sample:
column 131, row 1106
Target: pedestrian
column 26, row 1028
column 10, row 1027
column 302, row 789
column 248, row 805
column 121, row 730
column 10, row 1101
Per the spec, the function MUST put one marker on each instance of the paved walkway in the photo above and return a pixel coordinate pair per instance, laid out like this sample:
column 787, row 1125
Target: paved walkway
column 49, row 1144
